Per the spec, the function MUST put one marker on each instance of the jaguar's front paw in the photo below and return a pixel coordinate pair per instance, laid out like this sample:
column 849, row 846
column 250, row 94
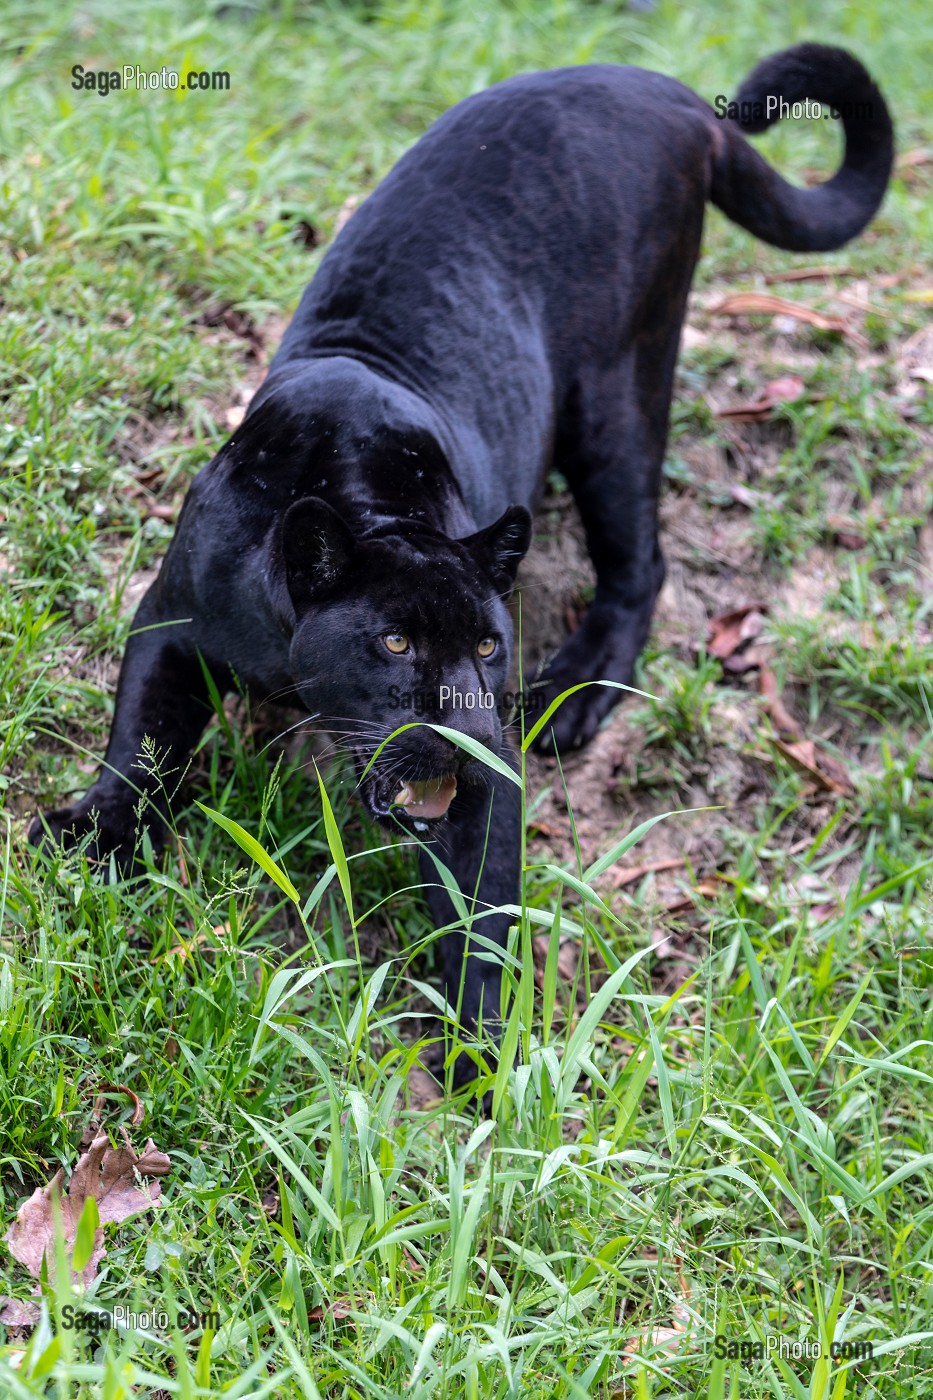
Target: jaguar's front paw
column 604, row 649
column 111, row 825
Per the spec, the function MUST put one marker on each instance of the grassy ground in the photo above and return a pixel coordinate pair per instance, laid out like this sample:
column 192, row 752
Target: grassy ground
column 733, row 1138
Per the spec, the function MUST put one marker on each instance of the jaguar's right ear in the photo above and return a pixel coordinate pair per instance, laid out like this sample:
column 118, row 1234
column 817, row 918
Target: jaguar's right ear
column 318, row 550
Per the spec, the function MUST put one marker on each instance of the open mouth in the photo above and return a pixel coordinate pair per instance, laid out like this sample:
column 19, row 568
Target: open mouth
column 426, row 800
column 421, row 800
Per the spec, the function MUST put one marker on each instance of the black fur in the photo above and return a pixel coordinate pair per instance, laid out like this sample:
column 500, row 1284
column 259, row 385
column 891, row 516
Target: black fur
column 510, row 298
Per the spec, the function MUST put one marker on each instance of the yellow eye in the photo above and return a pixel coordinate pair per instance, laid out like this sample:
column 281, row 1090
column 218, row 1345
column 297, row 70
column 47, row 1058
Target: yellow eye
column 486, row 647
column 396, row 643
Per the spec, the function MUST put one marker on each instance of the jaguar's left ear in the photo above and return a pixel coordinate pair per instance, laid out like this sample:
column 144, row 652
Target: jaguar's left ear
column 501, row 547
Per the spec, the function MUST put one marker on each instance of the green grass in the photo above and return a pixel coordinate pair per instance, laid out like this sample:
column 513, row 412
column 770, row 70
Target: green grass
column 741, row 1146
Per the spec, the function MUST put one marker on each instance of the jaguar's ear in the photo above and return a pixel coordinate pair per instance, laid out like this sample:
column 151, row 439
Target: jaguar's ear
column 501, row 547
column 318, row 548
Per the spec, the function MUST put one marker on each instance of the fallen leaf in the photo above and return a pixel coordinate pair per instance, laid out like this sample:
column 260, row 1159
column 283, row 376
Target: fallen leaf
column 113, row 1090
column 761, row 407
column 662, row 942
column 781, row 717
column 845, row 532
column 631, row 874
column 151, row 476
column 750, row 498
column 19, row 1312
column 669, row 1339
column 339, row 1309
column 184, row 947
column 748, row 659
column 92, row 1129
column 731, row 631
column 709, row 888
column 680, row 906
column 817, row 765
column 234, row 416
column 761, row 304
column 909, row 160
column 109, row 1174
column 807, row 274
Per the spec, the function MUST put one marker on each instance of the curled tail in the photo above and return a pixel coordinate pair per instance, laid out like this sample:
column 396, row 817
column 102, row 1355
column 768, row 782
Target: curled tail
column 747, row 189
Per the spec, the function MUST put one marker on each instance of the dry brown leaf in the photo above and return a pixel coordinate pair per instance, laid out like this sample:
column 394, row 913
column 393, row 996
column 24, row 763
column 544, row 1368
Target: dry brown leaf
column 662, row 942
column 669, row 1339
column 748, row 497
column 92, row 1128
column 912, row 166
column 109, row 1174
column 731, row 631
column 909, row 160
column 631, row 874
column 339, row 1309
column 161, row 510
column 748, row 659
column 139, row 490
column 183, row 949
column 761, row 407
column 781, row 717
column 117, row 1090
column 807, row 274
column 761, row 304
column 817, row 765
column 680, row 906
column 19, row 1313
column 847, row 533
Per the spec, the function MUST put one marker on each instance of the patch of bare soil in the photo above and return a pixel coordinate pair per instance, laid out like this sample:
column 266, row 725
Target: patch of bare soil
column 713, row 567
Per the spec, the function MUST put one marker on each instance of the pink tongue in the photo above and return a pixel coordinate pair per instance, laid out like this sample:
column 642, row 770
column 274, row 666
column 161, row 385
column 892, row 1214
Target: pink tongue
column 430, row 799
